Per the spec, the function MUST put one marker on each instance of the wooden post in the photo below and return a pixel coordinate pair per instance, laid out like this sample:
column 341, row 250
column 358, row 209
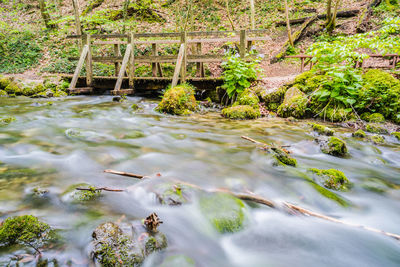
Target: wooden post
column 154, row 65
column 132, row 62
column 77, row 23
column 79, row 67
column 302, row 64
column 184, row 60
column 89, row 62
column 125, row 61
column 200, row 65
column 242, row 43
column 178, row 66
column 117, row 53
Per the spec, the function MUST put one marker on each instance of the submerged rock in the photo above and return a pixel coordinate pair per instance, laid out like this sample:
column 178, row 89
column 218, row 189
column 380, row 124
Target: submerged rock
column 171, row 194
column 294, row 104
column 73, row 195
column 241, row 113
column 359, row 133
column 375, row 128
column 226, row 213
column 334, row 146
column 321, row 129
column 26, row 230
column 397, row 135
column 6, row 120
column 178, row 261
column 377, row 139
column 333, row 179
column 283, row 158
column 124, row 244
column 179, row 100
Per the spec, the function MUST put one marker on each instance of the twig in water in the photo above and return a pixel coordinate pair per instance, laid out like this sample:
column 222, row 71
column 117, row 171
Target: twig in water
column 138, row 176
column 264, row 145
column 100, row 189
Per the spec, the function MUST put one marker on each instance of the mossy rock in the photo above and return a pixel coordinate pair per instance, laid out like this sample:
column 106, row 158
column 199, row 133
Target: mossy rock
column 283, row 158
column 396, row 134
column 75, row 196
column 247, row 98
column 377, row 139
column 13, row 88
column 179, row 100
column 334, row 146
column 124, row 244
column 333, row 179
column 309, row 81
column 359, row 133
column 274, row 95
column 135, row 107
column 3, row 93
column 4, row 82
column 26, row 230
column 375, row 128
column 321, row 129
column 6, row 120
column 376, row 117
column 178, row 260
column 171, row 194
column 226, row 213
column 241, row 113
column 294, row 104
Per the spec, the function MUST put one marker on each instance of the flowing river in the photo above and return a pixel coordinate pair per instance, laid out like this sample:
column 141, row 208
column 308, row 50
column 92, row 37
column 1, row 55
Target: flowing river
column 73, row 140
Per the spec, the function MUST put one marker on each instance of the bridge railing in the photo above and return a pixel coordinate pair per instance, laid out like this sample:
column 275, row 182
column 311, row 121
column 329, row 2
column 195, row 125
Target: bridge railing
column 192, row 53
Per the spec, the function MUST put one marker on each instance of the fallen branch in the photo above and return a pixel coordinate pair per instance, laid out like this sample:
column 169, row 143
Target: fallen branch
column 264, row 145
column 100, row 189
column 125, row 174
column 340, row 14
column 366, row 14
column 296, row 37
column 293, row 209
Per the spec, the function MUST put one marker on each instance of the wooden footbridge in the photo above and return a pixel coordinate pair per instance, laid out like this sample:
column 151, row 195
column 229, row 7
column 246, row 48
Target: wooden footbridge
column 124, row 81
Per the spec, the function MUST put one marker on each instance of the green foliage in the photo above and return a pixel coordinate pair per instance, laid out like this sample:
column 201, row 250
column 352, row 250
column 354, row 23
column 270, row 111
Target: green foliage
column 241, row 112
column 238, row 73
column 225, row 212
column 18, row 49
column 25, row 230
column 334, row 179
column 178, row 100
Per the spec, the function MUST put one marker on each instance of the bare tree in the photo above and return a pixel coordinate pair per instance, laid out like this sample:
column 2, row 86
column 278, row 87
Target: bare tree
column 289, row 30
column 45, row 15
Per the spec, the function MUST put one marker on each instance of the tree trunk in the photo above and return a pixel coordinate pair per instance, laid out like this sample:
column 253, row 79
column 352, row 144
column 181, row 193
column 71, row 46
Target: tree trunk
column 229, row 14
column 252, row 15
column 332, row 24
column 288, row 24
column 328, row 12
column 125, row 14
column 45, row 15
column 77, row 23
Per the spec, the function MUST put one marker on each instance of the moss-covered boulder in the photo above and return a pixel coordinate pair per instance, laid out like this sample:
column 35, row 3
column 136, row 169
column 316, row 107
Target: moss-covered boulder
column 333, row 179
column 13, row 88
column 172, row 194
column 6, row 120
column 283, row 158
column 4, row 82
column 71, row 194
column 375, row 128
column 377, row 139
column 241, row 113
column 294, row 104
column 397, row 135
column 247, row 98
column 321, row 129
column 376, row 117
column 125, row 244
column 334, row 146
column 336, row 114
column 381, row 93
column 26, row 230
column 273, row 95
column 359, row 133
column 309, row 81
column 179, row 100
column 3, row 93
column 226, row 213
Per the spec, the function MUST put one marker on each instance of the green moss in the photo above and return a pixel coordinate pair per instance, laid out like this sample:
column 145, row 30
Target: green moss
column 376, row 117
column 375, row 128
column 283, row 157
column 171, row 194
column 4, row 82
column 73, row 195
column 3, row 93
column 25, row 230
column 249, row 98
column 225, row 212
column 336, row 114
column 294, row 104
column 241, row 113
column 92, row 5
column 273, row 95
column 333, row 179
column 135, row 107
column 6, row 120
column 377, row 139
column 359, row 133
column 272, row 106
column 179, row 100
column 309, row 81
column 322, row 129
column 13, row 88
column 335, row 147
column 397, row 135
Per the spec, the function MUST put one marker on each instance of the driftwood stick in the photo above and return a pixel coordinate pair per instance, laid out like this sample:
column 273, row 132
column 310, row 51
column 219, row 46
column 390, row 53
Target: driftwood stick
column 264, row 145
column 263, row 201
column 100, row 189
column 138, row 176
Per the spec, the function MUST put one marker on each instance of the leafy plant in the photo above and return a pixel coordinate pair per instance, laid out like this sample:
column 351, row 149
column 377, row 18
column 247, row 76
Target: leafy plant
column 238, row 73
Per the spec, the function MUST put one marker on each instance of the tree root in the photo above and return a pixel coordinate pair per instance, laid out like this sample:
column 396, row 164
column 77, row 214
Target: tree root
column 290, row 208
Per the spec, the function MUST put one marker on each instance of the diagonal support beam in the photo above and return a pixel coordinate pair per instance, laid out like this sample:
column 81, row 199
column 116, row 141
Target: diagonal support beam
column 178, row 65
column 123, row 67
column 78, row 69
